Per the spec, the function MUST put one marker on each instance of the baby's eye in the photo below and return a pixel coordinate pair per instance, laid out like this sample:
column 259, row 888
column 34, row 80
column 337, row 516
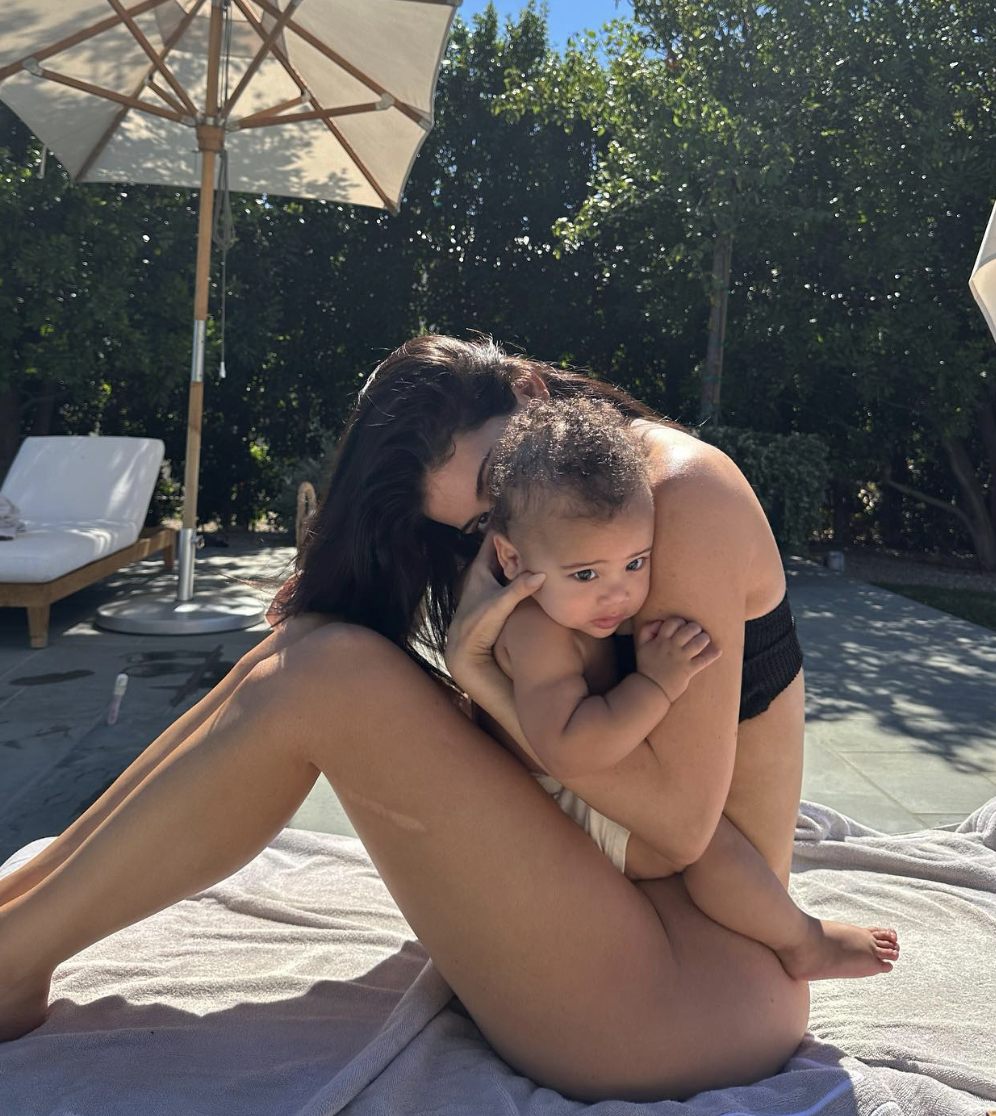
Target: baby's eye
column 636, row 564
column 584, row 575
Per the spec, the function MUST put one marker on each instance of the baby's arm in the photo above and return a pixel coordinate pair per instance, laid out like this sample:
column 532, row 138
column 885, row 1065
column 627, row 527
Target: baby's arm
column 572, row 731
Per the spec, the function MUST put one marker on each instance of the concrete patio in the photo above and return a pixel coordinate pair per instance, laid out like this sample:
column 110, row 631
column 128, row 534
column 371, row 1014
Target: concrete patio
column 901, row 730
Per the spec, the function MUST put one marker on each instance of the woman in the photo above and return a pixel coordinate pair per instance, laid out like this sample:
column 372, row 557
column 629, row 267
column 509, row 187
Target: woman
column 584, row 980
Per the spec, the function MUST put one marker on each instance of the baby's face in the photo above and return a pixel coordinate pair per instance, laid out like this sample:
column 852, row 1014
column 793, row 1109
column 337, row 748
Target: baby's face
column 597, row 574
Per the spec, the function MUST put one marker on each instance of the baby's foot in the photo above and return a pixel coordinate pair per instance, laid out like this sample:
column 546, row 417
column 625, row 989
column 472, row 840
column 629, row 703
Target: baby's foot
column 832, row 950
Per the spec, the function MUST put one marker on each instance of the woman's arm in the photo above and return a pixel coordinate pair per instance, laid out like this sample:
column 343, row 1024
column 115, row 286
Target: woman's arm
column 672, row 790
column 484, row 607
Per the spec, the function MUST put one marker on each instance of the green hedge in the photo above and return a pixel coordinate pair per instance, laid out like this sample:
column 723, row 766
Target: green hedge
column 789, row 473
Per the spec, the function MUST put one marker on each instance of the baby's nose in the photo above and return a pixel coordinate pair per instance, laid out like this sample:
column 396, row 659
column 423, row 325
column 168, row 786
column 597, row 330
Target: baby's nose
column 614, row 593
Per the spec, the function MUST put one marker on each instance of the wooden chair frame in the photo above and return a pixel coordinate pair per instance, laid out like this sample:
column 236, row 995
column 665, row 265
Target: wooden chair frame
column 37, row 597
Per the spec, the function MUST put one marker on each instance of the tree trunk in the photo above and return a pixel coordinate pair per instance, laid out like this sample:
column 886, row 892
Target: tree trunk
column 845, row 507
column 980, row 522
column 712, row 372
column 987, row 425
column 10, row 428
column 890, row 513
column 44, row 408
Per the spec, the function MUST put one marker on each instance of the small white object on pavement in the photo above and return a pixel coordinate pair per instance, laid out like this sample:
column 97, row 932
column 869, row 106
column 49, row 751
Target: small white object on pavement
column 120, row 685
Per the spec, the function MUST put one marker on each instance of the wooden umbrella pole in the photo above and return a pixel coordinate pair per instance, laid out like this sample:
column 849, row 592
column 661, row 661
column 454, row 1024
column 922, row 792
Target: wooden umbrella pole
column 210, row 141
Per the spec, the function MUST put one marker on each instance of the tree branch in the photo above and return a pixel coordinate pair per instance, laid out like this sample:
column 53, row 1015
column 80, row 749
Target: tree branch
column 933, row 501
column 36, row 399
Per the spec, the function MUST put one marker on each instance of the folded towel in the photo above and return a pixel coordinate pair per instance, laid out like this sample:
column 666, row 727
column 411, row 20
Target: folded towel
column 11, row 523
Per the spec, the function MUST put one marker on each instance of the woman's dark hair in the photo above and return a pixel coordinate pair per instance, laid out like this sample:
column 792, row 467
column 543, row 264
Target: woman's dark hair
column 372, row 556
column 578, row 458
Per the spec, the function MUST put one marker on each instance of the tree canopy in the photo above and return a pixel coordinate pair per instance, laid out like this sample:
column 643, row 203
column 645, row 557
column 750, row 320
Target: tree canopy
column 763, row 215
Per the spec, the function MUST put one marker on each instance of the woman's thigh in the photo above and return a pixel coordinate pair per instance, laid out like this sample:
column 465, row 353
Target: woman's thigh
column 578, row 978
column 736, row 1014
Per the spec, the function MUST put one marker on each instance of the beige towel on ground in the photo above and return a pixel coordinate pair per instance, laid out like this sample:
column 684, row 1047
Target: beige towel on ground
column 295, row 988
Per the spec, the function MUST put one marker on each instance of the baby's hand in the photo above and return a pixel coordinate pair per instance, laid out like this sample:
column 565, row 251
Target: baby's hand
column 672, row 652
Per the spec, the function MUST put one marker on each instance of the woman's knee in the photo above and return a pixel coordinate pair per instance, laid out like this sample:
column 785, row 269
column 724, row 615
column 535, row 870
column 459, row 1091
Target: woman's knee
column 321, row 671
column 340, row 653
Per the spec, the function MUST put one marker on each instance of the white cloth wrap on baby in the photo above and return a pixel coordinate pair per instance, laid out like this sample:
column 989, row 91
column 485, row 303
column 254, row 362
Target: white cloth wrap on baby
column 610, row 836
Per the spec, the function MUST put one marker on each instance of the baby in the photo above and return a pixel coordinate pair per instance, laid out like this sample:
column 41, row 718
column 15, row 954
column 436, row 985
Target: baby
column 572, row 499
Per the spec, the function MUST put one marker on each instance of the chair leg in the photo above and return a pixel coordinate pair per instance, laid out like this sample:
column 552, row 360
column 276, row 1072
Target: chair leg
column 38, row 625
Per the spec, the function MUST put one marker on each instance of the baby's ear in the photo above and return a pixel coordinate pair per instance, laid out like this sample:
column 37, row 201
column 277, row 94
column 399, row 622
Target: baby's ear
column 508, row 556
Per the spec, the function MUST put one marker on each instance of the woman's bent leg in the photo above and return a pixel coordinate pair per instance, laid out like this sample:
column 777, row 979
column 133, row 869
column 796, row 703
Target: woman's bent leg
column 578, row 978
column 55, row 853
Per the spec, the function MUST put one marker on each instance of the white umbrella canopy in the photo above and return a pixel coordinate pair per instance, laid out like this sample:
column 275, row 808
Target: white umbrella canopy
column 983, row 279
column 326, row 99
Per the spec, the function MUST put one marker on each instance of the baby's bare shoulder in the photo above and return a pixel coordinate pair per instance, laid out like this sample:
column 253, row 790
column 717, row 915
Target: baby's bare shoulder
column 528, row 620
column 530, row 631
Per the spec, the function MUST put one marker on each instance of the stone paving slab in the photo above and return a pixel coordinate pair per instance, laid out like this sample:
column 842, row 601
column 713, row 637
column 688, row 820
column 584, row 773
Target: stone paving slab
column 901, row 732
column 57, row 753
column 900, row 703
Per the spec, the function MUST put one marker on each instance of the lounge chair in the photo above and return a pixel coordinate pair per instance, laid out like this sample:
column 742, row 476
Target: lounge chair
column 83, row 501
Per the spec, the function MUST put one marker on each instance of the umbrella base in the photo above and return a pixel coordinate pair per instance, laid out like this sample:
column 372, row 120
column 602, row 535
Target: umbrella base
column 165, row 615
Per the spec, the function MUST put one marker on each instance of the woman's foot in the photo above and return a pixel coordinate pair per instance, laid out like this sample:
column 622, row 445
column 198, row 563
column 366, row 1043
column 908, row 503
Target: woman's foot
column 831, row 950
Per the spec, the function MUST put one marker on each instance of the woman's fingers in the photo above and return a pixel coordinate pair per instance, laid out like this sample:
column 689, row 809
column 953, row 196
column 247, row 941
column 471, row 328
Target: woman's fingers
column 484, row 607
column 496, row 609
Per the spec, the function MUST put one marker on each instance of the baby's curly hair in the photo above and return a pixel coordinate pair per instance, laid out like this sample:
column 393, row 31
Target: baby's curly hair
column 579, row 454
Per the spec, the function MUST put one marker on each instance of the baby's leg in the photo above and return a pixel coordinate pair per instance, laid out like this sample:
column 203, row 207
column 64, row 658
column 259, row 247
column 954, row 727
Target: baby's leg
column 732, row 883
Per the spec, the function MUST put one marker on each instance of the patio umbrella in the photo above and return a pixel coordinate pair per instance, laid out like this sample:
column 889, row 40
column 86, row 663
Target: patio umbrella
column 983, row 279
column 305, row 98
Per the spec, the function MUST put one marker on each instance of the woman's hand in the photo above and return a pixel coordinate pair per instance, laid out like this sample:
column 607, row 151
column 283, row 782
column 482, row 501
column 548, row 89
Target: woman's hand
column 484, row 607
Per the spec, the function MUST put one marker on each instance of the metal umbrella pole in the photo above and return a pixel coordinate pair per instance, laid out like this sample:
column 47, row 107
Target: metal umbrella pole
column 151, row 615
column 332, row 100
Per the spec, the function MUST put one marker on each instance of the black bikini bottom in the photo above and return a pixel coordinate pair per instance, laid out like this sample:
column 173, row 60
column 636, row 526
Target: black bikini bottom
column 772, row 659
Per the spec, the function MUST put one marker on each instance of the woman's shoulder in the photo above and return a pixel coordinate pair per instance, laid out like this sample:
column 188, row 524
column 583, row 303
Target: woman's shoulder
column 683, row 466
column 708, row 514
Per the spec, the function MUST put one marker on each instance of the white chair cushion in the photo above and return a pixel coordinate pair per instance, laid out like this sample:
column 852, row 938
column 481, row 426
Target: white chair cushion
column 81, row 498
column 53, row 549
column 85, row 480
